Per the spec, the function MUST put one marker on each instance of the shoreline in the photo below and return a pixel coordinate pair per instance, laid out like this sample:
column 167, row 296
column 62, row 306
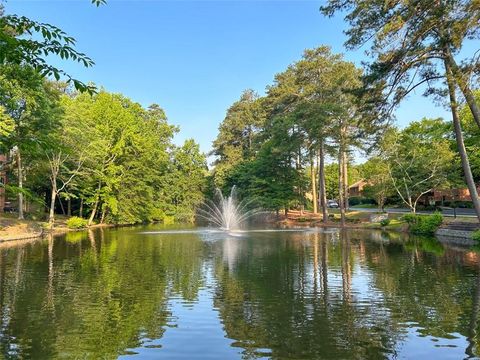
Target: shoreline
column 12, row 229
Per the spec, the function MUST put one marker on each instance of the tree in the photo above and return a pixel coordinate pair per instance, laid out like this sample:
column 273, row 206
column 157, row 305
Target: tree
column 30, row 104
column 313, row 106
column 7, row 125
column 461, row 144
column 414, row 43
column 471, row 133
column 417, row 160
column 379, row 183
column 331, row 184
column 331, row 112
column 64, row 166
column 24, row 41
column 185, row 181
column 132, row 172
column 271, row 180
column 235, row 141
column 411, row 41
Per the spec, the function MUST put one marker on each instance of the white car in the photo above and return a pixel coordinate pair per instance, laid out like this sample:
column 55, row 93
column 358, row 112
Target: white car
column 332, row 204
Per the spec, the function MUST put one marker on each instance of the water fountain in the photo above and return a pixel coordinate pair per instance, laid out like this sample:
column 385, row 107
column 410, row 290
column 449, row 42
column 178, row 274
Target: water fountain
column 227, row 213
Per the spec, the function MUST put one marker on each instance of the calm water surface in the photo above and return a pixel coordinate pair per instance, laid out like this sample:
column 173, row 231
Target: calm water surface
column 284, row 295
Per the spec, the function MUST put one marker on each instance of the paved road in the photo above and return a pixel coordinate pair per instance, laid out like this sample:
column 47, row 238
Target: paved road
column 445, row 212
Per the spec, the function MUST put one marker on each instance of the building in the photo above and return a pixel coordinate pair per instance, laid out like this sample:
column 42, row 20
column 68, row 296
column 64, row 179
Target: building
column 436, row 196
column 439, row 196
column 356, row 189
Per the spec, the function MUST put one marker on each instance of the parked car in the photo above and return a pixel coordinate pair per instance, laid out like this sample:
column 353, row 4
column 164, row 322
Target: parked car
column 9, row 208
column 332, row 204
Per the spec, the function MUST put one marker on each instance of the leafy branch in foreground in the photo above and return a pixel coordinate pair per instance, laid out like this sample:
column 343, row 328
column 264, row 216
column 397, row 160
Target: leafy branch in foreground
column 25, row 41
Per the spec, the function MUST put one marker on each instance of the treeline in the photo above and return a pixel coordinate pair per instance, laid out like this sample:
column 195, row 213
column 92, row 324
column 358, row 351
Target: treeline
column 409, row 163
column 272, row 146
column 295, row 147
column 100, row 156
column 324, row 107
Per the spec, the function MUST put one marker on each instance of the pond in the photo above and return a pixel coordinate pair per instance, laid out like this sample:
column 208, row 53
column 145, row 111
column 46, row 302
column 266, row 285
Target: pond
column 138, row 293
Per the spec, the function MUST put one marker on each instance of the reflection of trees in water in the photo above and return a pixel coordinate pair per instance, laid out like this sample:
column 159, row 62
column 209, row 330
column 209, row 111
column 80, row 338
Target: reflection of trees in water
column 427, row 284
column 300, row 295
column 290, row 301
column 472, row 349
column 300, row 298
column 92, row 295
column 50, row 291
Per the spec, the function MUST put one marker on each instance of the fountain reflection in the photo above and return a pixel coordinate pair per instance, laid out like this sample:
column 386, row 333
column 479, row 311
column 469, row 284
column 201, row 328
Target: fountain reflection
column 346, row 296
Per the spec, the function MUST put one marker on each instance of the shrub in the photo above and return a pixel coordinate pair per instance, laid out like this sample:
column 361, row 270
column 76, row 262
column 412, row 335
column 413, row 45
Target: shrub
column 168, row 220
column 385, row 222
column 76, row 222
column 409, row 218
column 423, row 224
column 476, row 235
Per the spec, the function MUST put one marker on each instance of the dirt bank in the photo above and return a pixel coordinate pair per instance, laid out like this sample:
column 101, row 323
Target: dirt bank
column 14, row 229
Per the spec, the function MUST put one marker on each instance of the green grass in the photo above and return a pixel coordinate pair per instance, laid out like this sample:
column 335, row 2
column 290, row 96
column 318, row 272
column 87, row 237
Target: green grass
column 395, row 224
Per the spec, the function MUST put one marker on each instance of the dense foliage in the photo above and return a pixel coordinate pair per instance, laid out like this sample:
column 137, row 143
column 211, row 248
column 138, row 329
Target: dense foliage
column 76, row 222
column 423, row 224
column 416, row 45
column 273, row 146
column 103, row 154
column 105, row 157
column 476, row 235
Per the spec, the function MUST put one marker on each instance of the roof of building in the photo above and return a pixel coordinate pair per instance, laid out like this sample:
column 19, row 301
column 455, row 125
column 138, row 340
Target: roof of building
column 358, row 183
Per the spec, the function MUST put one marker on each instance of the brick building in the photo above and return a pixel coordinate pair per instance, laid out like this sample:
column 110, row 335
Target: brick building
column 458, row 194
column 357, row 188
column 436, row 196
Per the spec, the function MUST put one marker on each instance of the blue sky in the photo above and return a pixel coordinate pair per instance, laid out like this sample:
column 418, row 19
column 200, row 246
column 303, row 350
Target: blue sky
column 194, row 58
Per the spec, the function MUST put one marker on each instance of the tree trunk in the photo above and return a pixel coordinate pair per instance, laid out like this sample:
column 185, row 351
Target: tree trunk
column 51, row 217
column 69, row 207
column 321, row 178
column 20, row 185
column 104, row 213
column 341, row 202
column 459, row 78
column 314, row 185
column 460, row 143
column 80, row 212
column 61, row 205
column 94, row 212
column 345, row 179
column 95, row 206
